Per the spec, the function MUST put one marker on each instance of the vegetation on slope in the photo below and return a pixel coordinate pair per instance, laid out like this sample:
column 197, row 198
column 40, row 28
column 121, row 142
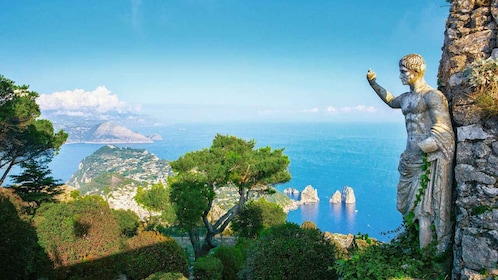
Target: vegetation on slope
column 112, row 167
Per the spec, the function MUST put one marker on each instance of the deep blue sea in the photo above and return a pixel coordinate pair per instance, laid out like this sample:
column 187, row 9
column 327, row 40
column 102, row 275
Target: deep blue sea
column 327, row 156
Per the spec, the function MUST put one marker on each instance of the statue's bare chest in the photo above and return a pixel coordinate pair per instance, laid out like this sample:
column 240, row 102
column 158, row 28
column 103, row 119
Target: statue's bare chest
column 413, row 104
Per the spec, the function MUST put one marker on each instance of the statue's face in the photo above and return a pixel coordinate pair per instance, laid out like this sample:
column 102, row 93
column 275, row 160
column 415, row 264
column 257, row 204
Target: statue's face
column 407, row 76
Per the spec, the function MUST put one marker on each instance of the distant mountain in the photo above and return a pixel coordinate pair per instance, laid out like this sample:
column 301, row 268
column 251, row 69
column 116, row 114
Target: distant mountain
column 81, row 126
column 89, row 119
column 109, row 133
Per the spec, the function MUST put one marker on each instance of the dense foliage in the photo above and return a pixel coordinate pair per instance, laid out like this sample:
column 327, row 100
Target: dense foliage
column 128, row 221
column 400, row 259
column 20, row 254
column 256, row 216
column 166, row 276
column 86, row 239
column 157, row 198
column 77, row 231
column 150, row 252
column 23, row 136
column 208, row 268
column 290, row 252
column 232, row 260
column 308, row 225
column 229, row 161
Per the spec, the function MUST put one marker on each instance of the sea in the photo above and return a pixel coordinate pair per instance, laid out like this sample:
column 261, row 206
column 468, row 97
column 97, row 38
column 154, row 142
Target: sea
column 327, row 156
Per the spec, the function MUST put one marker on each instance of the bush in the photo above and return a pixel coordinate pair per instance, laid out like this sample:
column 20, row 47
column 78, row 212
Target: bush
column 166, row 276
column 244, row 244
column 20, row 254
column 308, row 225
column 128, row 221
column 400, row 259
column 232, row 260
column 77, row 233
column 151, row 252
column 290, row 252
column 208, row 268
column 257, row 216
column 483, row 77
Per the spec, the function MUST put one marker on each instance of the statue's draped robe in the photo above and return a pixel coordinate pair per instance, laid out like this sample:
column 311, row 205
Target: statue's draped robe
column 435, row 203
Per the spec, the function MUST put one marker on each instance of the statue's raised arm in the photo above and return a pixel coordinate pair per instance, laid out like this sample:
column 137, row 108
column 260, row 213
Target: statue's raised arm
column 385, row 95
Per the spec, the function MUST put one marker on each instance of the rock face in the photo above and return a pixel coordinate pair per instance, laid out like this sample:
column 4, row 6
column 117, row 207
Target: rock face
column 309, row 195
column 336, row 197
column 348, row 195
column 471, row 34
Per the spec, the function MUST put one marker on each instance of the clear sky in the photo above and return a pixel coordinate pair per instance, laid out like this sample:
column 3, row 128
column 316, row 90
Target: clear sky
column 217, row 60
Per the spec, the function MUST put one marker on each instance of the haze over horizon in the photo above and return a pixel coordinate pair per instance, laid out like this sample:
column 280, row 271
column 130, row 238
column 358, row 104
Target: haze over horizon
column 212, row 61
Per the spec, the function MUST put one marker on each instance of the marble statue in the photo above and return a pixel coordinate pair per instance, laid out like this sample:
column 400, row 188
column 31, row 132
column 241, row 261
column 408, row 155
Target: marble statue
column 429, row 132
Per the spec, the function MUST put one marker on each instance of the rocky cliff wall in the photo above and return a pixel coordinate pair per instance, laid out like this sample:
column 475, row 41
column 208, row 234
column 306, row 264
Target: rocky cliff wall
column 471, row 34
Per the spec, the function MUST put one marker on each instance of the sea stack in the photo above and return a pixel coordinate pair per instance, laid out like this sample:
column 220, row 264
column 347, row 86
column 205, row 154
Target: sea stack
column 336, row 197
column 348, row 195
column 291, row 191
column 309, row 195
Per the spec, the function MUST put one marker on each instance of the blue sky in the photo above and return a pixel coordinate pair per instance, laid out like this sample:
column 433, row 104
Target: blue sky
column 213, row 60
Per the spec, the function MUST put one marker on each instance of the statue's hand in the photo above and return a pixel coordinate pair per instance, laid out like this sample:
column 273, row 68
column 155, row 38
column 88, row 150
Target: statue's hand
column 428, row 145
column 371, row 75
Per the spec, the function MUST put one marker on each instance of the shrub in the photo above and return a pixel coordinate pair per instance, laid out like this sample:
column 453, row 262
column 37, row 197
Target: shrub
column 399, row 259
column 308, row 225
column 81, row 230
column 20, row 254
column 483, row 77
column 257, row 216
column 244, row 244
column 290, row 252
column 150, row 252
column 232, row 260
column 208, row 268
column 128, row 221
column 166, row 276
column 81, row 237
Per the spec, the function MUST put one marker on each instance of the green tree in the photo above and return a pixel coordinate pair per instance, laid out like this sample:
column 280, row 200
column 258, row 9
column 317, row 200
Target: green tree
column 256, row 216
column 23, row 137
column 35, row 182
column 230, row 161
column 157, row 198
column 289, row 252
column 128, row 221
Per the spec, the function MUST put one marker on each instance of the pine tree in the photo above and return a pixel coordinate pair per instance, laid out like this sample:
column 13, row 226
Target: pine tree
column 35, row 183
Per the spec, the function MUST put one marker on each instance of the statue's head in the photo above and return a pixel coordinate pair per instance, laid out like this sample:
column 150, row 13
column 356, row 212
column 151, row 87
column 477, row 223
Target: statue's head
column 413, row 62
